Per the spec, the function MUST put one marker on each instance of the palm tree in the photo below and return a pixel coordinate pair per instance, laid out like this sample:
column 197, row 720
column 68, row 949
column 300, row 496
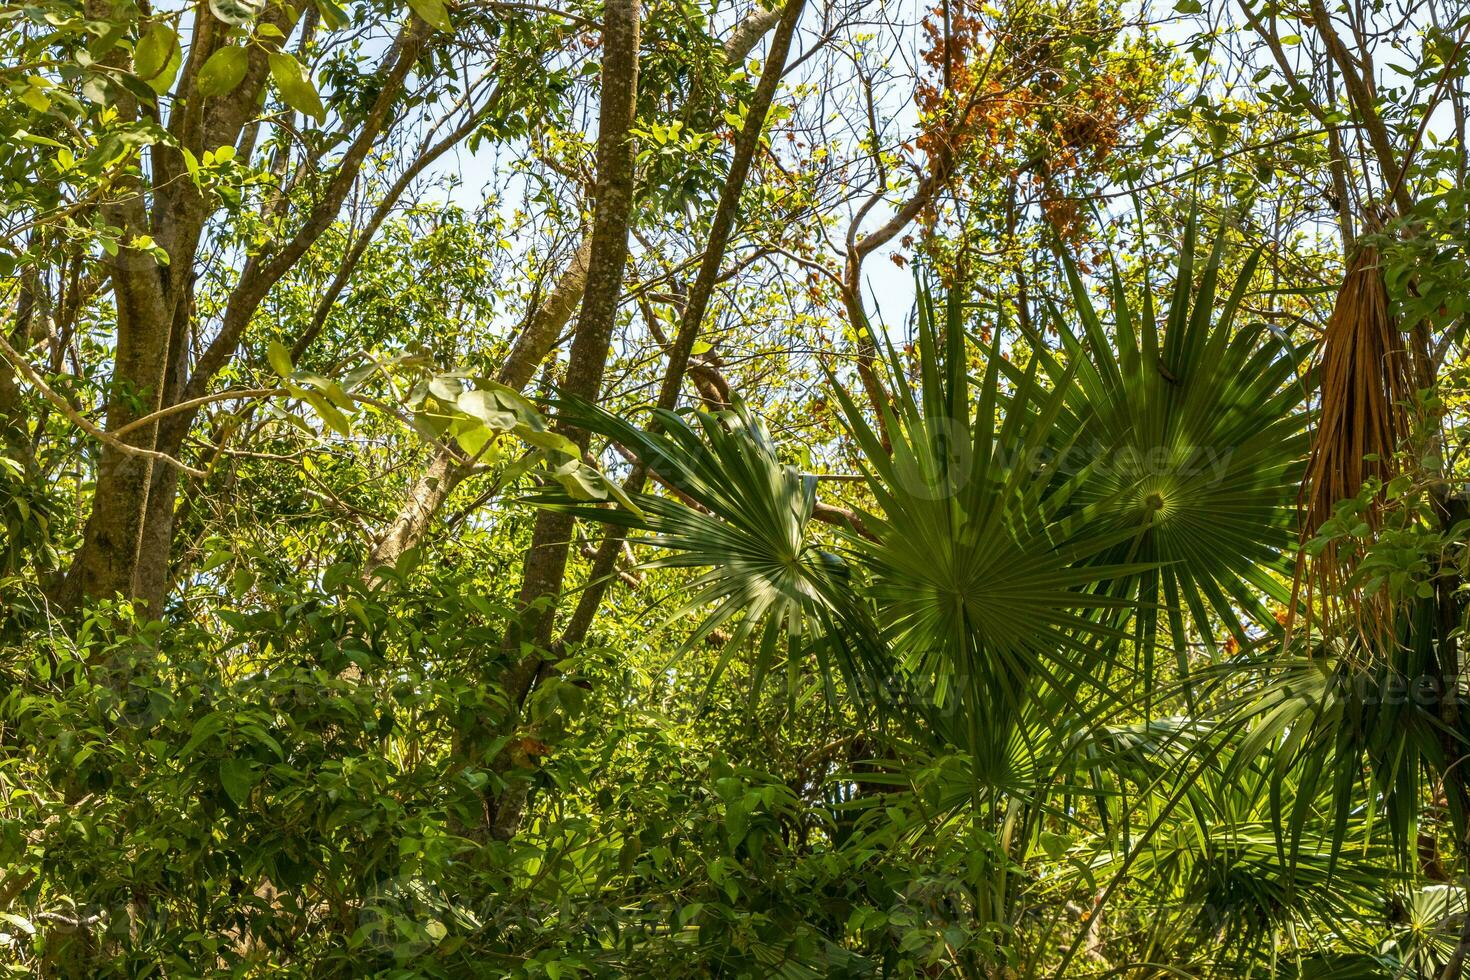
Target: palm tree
column 1034, row 532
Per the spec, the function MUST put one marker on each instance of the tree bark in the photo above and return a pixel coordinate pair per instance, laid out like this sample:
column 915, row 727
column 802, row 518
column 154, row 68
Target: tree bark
column 546, row 560
column 545, row 563
column 696, row 305
column 105, row 564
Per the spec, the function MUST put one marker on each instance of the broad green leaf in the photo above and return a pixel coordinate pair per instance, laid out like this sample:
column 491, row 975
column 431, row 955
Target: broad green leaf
column 157, row 57
column 326, row 386
column 204, row 729
column 447, row 387
column 432, row 12
column 20, row 922
column 235, row 12
column 473, row 437
column 576, row 480
column 224, row 70
column 332, row 14
column 484, row 406
column 330, row 414
column 295, row 88
column 238, row 777
column 737, row 821
column 279, row 358
column 35, row 98
column 546, row 439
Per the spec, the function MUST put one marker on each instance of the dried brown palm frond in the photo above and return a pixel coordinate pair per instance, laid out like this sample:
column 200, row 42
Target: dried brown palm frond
column 1363, row 419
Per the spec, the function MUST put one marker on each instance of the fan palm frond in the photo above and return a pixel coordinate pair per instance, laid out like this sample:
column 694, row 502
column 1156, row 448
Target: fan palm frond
column 975, row 584
column 743, row 519
column 1191, row 435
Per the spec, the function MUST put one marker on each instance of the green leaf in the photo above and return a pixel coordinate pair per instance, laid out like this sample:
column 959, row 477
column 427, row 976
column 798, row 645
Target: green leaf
column 20, row 922
column 1055, row 845
column 737, row 821
column 583, row 482
column 332, row 14
column 280, row 359
column 432, row 12
column 577, row 480
column 235, row 12
column 100, row 46
column 295, row 88
column 447, row 387
column 546, row 439
column 330, row 414
column 157, row 57
column 35, row 98
column 327, row 387
column 473, row 438
column 224, row 70
column 483, row 405
column 204, row 728
column 238, row 777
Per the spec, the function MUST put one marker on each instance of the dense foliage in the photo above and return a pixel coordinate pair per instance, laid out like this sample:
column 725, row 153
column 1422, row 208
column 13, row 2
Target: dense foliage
column 668, row 489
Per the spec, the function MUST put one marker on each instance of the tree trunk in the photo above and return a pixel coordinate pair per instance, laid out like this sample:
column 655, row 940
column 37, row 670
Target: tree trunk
column 545, row 562
column 105, row 564
column 697, row 303
column 428, row 492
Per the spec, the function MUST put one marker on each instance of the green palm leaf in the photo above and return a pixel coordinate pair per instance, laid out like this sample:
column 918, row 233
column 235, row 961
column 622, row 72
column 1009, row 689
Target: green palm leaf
column 743, row 518
column 1191, row 436
column 977, row 589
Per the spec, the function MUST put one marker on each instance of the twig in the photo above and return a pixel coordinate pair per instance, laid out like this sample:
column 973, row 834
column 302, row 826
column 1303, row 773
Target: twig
column 91, row 428
column 184, row 406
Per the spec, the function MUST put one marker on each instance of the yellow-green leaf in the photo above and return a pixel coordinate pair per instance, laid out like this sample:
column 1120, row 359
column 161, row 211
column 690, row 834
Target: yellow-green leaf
column 157, row 57
column 295, row 88
column 332, row 14
column 279, row 358
column 224, row 70
column 335, row 420
column 433, row 12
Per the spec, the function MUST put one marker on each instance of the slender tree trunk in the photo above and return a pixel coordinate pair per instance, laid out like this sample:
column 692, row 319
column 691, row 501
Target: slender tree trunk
column 427, row 493
column 696, row 304
column 105, row 564
column 545, row 562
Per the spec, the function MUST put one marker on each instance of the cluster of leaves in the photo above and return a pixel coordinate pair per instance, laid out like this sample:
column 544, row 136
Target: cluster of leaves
column 1056, row 90
column 277, row 793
